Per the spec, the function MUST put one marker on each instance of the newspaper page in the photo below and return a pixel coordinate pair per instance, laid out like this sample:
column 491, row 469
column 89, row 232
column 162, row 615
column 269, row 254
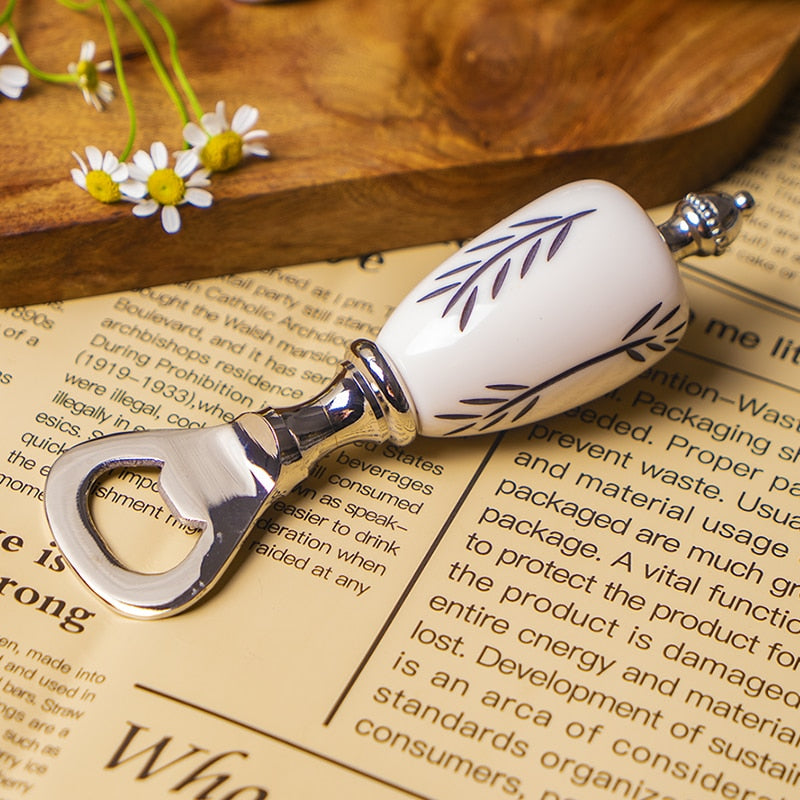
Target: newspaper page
column 599, row 605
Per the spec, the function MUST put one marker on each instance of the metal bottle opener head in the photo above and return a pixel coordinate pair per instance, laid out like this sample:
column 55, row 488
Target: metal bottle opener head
column 218, row 479
column 448, row 362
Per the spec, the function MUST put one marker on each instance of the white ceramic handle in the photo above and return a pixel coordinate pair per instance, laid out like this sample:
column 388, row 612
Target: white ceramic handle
column 567, row 298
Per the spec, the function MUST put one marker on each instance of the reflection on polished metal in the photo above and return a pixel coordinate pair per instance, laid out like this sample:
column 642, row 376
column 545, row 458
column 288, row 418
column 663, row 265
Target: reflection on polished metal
column 706, row 224
column 363, row 403
column 468, row 351
column 218, row 479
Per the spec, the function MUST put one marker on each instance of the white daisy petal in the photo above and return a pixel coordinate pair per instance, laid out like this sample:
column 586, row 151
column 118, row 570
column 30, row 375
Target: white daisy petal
column 185, row 163
column 79, row 177
column 105, row 91
column 213, row 123
column 170, row 219
column 133, row 189
column 110, row 162
column 146, row 208
column 119, row 174
column 87, row 51
column 158, row 152
column 80, row 161
column 255, row 150
column 13, row 79
column 199, row 197
column 199, row 178
column 14, row 92
column 143, row 161
column 256, row 134
column 94, row 156
column 5, row 43
column 136, row 173
column 194, row 135
column 105, row 66
column 244, row 119
column 15, row 75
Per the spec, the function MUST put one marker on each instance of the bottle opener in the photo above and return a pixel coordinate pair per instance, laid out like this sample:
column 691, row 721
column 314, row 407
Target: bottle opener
column 569, row 297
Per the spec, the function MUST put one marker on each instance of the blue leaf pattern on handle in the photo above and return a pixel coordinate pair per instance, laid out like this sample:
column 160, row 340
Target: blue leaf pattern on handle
column 464, row 293
column 507, row 397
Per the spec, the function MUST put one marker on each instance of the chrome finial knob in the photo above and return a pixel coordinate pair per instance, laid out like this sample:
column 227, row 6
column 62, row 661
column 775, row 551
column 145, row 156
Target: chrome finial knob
column 706, row 224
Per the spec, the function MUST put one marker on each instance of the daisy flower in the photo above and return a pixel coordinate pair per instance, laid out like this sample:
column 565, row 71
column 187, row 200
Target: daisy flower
column 96, row 92
column 220, row 146
column 13, row 79
column 104, row 178
column 166, row 187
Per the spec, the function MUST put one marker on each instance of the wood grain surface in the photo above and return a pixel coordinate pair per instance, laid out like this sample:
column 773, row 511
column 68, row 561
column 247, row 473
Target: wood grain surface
column 392, row 124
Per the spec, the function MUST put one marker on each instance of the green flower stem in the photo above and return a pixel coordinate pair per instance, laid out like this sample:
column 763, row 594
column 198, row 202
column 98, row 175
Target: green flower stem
column 49, row 77
column 7, row 11
column 155, row 58
column 72, row 5
column 177, row 68
column 116, row 55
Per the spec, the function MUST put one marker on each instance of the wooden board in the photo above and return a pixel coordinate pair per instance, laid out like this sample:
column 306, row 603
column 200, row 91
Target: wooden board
column 392, row 124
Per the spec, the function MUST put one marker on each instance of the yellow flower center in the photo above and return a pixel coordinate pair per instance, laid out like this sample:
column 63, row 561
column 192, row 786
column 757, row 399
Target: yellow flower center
column 87, row 75
column 222, row 151
column 166, row 187
column 101, row 187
